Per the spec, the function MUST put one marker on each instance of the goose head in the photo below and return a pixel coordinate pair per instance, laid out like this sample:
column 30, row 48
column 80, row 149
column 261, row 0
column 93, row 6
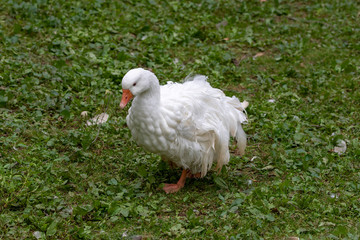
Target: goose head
column 136, row 82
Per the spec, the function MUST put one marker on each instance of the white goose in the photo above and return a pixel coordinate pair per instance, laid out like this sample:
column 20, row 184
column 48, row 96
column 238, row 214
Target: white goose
column 188, row 125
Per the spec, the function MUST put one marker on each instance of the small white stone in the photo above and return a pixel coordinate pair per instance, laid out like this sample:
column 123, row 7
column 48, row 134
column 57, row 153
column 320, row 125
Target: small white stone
column 84, row 113
column 37, row 234
column 296, row 118
column 334, row 195
column 341, row 147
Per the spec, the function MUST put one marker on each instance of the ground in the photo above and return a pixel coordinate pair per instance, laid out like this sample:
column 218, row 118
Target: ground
column 295, row 62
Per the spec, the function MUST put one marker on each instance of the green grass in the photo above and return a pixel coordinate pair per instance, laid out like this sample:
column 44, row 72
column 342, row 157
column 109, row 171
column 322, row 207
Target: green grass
column 59, row 58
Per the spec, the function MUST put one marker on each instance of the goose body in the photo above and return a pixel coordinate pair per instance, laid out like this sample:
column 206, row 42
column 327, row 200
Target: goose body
column 188, row 124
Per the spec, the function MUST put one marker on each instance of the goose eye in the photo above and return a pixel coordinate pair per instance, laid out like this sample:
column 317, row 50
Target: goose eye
column 134, row 84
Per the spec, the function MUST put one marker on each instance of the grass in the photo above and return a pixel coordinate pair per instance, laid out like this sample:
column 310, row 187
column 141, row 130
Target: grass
column 60, row 58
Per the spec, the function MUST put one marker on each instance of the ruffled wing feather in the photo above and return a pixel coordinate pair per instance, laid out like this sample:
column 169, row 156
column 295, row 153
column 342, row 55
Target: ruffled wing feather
column 202, row 118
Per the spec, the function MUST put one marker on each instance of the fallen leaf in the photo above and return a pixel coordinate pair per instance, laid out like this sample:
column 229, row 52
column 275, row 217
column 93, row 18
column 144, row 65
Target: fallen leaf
column 99, row 119
column 259, row 54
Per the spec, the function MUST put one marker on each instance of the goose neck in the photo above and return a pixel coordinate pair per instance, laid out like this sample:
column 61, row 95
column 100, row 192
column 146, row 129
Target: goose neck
column 149, row 99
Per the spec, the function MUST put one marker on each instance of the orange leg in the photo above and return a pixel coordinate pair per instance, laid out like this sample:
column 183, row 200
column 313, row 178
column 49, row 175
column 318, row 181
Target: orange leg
column 172, row 188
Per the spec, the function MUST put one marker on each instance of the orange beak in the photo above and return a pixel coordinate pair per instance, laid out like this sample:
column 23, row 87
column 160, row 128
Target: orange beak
column 126, row 97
